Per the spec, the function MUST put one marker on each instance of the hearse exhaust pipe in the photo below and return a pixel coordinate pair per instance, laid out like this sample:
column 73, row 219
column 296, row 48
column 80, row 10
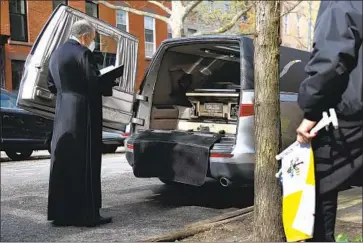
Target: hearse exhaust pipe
column 225, row 182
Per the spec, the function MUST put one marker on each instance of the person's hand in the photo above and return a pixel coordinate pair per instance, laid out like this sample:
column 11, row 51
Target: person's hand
column 303, row 131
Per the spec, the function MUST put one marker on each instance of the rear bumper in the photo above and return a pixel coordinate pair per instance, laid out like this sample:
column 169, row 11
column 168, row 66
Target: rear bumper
column 237, row 167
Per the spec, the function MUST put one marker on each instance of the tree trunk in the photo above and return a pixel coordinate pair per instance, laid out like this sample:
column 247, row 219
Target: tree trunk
column 177, row 27
column 267, row 200
column 176, row 21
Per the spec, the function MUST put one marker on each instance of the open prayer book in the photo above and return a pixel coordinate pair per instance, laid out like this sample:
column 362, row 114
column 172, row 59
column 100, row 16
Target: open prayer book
column 111, row 73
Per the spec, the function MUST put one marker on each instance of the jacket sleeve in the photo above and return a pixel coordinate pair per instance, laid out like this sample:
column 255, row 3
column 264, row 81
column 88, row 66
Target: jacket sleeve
column 338, row 37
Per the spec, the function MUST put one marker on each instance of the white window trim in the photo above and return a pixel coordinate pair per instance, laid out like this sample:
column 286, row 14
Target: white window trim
column 154, row 37
column 169, row 30
column 127, row 19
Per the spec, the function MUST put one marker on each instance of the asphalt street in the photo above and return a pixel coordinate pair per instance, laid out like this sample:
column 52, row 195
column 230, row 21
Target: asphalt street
column 140, row 207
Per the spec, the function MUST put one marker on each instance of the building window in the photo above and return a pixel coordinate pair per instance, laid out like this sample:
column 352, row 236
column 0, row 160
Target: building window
column 122, row 20
column 211, row 5
column 226, row 6
column 191, row 31
column 244, row 18
column 2, row 66
column 18, row 20
column 149, row 25
column 57, row 2
column 170, row 35
column 16, row 73
column 92, row 9
column 298, row 25
column 286, row 23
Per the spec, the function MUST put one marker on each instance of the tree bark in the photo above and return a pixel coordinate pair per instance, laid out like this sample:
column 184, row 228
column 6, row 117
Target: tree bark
column 267, row 199
column 176, row 21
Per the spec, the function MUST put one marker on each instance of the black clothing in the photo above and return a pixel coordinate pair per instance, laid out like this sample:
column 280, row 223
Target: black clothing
column 75, row 176
column 335, row 67
column 338, row 156
column 325, row 214
column 335, row 81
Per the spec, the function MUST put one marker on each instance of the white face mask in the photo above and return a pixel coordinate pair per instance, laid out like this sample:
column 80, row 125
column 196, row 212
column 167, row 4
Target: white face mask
column 92, row 46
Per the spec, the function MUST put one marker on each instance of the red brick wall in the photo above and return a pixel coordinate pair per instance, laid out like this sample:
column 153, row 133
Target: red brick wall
column 136, row 27
column 4, row 18
column 77, row 4
column 39, row 11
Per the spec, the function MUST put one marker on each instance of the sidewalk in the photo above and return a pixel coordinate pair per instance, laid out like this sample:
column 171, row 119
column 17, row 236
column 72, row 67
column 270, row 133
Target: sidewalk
column 350, row 205
column 349, row 222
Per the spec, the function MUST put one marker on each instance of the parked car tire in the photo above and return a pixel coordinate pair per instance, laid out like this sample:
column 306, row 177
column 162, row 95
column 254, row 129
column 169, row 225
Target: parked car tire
column 49, row 142
column 109, row 149
column 170, row 183
column 19, row 155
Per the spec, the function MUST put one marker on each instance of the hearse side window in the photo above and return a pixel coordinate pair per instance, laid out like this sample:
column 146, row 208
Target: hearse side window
column 17, row 67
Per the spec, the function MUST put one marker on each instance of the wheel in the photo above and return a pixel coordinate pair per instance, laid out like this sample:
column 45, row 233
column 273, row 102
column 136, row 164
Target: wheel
column 169, row 183
column 109, row 149
column 49, row 148
column 19, row 155
column 49, row 142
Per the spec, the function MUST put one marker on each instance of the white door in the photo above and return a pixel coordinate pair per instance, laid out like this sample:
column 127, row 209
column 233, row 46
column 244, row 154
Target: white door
column 114, row 47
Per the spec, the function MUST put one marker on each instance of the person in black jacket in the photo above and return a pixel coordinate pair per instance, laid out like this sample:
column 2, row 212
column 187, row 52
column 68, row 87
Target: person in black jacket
column 335, row 81
column 75, row 177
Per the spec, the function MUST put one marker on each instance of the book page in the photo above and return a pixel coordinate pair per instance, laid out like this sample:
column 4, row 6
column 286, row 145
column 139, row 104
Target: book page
column 106, row 69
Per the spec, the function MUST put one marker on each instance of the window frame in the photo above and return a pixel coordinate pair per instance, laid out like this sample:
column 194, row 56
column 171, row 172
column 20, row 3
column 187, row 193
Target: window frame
column 25, row 16
column 154, row 36
column 298, row 21
column 127, row 19
column 97, row 8
column 227, row 6
column 211, row 6
column 170, row 32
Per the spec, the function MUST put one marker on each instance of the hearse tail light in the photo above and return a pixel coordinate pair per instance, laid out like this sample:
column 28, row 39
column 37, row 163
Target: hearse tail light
column 129, row 148
column 221, row 155
column 246, row 110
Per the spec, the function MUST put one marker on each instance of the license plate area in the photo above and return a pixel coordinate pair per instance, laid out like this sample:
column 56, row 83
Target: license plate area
column 213, row 107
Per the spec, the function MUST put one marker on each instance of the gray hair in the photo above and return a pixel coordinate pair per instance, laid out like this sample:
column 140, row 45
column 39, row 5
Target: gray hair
column 82, row 27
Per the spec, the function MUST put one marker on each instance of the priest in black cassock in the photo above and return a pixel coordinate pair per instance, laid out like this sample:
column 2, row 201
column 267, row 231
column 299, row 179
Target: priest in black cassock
column 75, row 174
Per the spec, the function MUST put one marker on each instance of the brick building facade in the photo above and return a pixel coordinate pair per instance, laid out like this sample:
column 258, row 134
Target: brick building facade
column 297, row 27
column 22, row 20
